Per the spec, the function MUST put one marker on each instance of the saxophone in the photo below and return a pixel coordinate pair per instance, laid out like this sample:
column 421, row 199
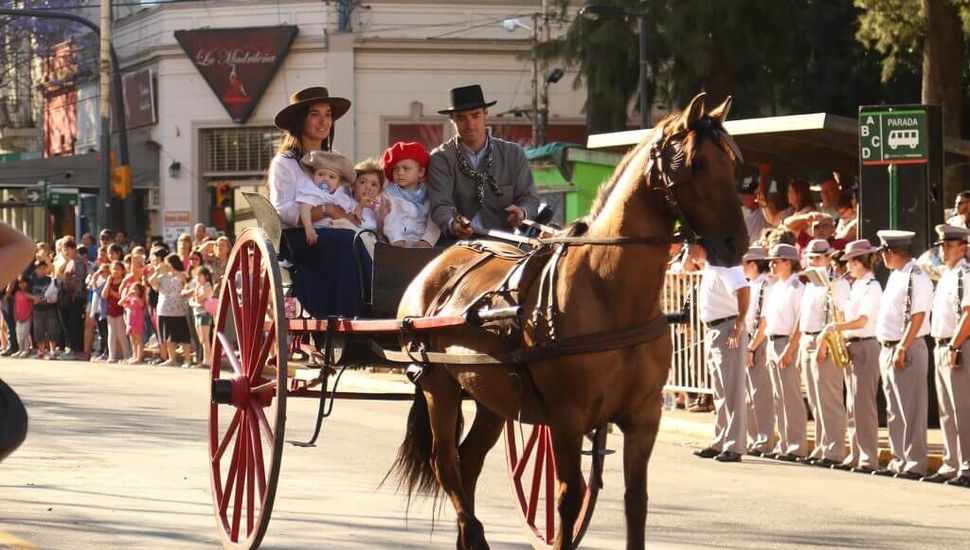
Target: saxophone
column 838, row 347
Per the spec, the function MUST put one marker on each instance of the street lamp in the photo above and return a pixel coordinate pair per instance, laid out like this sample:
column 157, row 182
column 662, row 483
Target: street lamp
column 552, row 76
column 596, row 11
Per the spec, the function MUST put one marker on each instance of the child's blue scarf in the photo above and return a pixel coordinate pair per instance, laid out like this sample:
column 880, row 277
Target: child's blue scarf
column 416, row 198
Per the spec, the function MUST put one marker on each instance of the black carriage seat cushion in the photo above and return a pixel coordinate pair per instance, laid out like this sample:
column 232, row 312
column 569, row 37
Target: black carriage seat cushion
column 394, row 269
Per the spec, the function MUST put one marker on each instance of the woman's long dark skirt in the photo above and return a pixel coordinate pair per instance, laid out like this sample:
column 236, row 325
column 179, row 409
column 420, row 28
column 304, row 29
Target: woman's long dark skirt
column 327, row 275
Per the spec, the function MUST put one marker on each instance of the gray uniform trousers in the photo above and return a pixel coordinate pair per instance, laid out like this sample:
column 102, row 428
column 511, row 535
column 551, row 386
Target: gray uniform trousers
column 786, row 388
column 862, row 383
column 953, row 394
column 727, row 374
column 906, row 407
column 823, row 383
column 761, row 407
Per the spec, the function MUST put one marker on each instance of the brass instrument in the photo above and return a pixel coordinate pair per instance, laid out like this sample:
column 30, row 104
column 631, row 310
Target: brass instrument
column 838, row 347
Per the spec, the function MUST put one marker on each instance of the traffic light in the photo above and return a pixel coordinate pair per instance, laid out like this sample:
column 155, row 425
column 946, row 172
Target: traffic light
column 223, row 195
column 120, row 179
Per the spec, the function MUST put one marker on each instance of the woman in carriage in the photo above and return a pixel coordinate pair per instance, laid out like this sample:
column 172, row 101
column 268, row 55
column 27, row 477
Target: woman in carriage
column 331, row 274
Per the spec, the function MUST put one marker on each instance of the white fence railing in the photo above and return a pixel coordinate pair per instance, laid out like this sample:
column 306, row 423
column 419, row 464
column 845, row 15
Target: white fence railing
column 688, row 369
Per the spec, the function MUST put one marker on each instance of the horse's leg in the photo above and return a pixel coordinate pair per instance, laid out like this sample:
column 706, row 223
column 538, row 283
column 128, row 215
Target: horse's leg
column 567, row 448
column 482, row 436
column 638, row 440
column 444, row 405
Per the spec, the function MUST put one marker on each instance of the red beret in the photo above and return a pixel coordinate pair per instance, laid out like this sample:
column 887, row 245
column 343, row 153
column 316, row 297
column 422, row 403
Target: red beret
column 401, row 150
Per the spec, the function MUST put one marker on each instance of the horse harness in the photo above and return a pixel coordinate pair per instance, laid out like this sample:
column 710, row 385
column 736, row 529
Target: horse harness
column 668, row 165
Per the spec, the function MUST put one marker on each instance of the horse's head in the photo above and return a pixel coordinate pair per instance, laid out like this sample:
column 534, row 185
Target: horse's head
column 693, row 161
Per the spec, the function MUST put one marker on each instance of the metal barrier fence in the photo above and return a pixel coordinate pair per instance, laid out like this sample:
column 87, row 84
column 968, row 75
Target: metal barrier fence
column 688, row 369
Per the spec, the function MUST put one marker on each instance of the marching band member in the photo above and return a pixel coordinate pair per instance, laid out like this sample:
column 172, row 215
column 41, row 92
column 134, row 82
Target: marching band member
column 722, row 298
column 761, row 413
column 902, row 323
column 779, row 325
column 949, row 327
column 862, row 374
column 823, row 380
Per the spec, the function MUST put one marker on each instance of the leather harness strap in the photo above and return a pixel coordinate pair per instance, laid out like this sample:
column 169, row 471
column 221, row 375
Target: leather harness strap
column 574, row 345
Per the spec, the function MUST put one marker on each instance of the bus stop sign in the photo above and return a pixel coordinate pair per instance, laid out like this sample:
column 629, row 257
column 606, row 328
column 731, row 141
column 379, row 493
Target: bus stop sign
column 890, row 136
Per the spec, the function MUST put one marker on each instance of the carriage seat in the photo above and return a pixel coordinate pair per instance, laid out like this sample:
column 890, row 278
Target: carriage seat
column 269, row 221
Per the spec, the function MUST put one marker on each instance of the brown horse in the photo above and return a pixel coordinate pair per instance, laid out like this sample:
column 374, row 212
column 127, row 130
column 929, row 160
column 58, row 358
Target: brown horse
column 684, row 171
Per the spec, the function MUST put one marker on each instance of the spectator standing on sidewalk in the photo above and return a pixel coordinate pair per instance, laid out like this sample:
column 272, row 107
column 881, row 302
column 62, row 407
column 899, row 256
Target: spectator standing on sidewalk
column 117, row 340
column 23, row 312
column 46, row 327
column 74, row 298
column 169, row 279
column 723, row 297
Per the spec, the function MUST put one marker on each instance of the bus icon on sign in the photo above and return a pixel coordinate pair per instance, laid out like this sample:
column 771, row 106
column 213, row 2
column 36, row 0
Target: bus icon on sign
column 903, row 138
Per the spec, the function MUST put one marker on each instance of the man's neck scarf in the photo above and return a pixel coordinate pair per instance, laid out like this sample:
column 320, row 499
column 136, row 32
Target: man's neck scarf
column 482, row 178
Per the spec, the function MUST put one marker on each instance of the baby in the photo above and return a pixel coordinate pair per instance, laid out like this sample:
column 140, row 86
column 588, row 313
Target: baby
column 406, row 223
column 331, row 172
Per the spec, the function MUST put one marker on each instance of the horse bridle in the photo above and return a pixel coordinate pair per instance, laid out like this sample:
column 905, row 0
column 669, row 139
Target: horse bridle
column 668, row 167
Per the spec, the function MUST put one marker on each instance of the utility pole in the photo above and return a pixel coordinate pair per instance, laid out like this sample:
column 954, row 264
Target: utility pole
column 535, row 80
column 104, row 202
column 544, row 108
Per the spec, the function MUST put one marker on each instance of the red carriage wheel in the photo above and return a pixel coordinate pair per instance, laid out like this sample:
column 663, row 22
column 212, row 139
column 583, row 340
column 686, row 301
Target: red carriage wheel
column 532, row 468
column 248, row 401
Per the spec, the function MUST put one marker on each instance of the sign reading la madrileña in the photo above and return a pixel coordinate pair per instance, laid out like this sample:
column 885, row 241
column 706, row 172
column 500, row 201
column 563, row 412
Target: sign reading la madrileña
column 238, row 64
column 889, row 136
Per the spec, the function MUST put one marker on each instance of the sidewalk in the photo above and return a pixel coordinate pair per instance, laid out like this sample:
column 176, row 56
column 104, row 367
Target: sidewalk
column 701, row 427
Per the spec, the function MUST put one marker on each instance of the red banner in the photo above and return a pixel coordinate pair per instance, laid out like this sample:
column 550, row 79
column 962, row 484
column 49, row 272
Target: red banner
column 238, row 64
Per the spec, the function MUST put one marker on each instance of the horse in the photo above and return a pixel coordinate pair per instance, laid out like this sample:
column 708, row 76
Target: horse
column 683, row 171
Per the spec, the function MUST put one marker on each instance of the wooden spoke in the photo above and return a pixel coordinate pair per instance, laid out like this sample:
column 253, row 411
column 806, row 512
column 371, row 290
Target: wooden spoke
column 536, row 496
column 230, row 355
column 230, row 431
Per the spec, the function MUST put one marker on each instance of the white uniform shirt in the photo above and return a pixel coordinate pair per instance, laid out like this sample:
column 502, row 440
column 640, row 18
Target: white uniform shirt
column 755, row 222
column 945, row 315
column 716, row 293
column 889, row 322
column 864, row 299
column 752, row 318
column 782, row 305
column 813, row 313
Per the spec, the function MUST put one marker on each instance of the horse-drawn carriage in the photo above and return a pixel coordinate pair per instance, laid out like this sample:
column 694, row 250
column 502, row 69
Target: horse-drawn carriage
column 555, row 478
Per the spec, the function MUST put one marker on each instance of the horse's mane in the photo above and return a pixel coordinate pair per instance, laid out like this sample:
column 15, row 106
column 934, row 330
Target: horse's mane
column 701, row 129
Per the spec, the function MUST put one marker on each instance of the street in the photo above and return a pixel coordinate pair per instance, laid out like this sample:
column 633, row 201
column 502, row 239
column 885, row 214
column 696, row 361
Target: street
column 116, row 458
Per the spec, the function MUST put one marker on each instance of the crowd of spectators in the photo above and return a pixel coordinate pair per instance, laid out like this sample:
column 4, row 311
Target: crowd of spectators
column 110, row 300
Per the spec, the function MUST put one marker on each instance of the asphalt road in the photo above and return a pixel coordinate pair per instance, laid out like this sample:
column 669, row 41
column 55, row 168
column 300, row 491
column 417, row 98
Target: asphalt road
column 116, row 458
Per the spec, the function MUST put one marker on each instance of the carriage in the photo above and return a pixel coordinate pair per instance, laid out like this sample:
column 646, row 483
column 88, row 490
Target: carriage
column 555, row 476
column 255, row 335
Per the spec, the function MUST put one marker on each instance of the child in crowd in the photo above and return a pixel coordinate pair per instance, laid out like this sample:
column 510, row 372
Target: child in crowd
column 23, row 311
column 46, row 325
column 406, row 223
column 203, row 319
column 134, row 303
column 117, row 343
column 331, row 171
column 99, row 308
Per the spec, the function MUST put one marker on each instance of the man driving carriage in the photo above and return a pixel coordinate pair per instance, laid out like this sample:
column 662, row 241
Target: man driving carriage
column 475, row 181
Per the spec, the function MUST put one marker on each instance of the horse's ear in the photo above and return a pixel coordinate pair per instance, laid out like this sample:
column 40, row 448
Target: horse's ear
column 720, row 113
column 694, row 110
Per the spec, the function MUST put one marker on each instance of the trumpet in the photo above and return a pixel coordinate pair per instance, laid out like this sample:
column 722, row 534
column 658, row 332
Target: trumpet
column 838, row 347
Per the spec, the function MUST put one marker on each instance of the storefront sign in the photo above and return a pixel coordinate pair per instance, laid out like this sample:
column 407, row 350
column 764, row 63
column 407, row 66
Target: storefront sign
column 174, row 223
column 238, row 64
column 139, row 96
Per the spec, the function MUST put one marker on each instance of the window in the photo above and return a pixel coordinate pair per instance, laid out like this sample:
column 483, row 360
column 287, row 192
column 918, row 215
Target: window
column 238, row 152
column 428, row 135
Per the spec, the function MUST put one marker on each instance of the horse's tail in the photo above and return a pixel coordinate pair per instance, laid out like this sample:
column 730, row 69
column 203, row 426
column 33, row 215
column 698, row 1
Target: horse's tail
column 414, row 465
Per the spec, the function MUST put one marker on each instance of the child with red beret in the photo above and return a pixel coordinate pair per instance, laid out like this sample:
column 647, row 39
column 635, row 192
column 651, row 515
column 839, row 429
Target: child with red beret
column 407, row 222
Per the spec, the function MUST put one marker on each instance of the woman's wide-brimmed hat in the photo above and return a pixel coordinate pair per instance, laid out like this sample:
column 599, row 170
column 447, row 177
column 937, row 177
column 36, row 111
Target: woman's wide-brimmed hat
column 858, row 248
column 466, row 98
column 307, row 96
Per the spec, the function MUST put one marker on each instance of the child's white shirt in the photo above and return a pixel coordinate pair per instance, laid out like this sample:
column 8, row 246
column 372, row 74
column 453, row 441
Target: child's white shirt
column 409, row 222
column 313, row 195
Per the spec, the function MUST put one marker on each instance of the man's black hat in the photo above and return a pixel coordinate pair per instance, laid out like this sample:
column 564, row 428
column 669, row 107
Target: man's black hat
column 467, row 98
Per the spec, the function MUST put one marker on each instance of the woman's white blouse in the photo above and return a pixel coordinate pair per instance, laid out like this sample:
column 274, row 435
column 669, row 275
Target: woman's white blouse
column 286, row 176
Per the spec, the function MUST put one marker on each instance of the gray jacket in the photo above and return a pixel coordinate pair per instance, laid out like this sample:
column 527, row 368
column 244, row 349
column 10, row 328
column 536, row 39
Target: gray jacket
column 448, row 187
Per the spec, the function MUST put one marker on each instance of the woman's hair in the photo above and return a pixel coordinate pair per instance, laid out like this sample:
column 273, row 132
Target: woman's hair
column 196, row 254
column 119, row 263
column 803, row 194
column 370, row 166
column 204, row 271
column 184, row 237
column 22, row 280
column 779, row 235
column 175, row 262
column 160, row 252
column 868, row 261
column 116, row 249
column 762, row 265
